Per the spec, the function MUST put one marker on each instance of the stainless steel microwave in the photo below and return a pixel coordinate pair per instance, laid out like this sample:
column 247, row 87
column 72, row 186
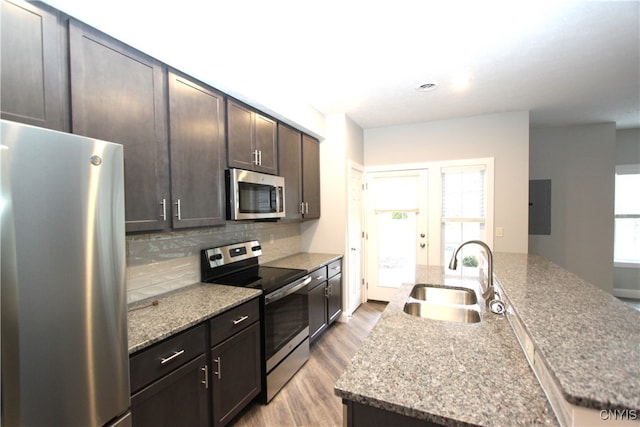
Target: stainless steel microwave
column 254, row 195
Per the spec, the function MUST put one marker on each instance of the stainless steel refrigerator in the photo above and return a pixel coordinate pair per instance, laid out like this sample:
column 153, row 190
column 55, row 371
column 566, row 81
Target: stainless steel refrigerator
column 64, row 319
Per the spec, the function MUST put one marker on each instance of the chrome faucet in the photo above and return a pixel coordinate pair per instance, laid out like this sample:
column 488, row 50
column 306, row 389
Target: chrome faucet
column 489, row 294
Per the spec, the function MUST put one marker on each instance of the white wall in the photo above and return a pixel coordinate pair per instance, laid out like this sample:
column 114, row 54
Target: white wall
column 580, row 161
column 505, row 137
column 626, row 280
column 343, row 142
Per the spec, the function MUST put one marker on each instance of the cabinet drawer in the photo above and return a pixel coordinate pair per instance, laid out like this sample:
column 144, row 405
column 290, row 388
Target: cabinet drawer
column 150, row 364
column 318, row 276
column 335, row 267
column 234, row 320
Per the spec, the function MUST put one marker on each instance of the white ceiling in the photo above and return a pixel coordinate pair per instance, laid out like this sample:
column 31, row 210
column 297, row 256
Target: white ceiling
column 566, row 62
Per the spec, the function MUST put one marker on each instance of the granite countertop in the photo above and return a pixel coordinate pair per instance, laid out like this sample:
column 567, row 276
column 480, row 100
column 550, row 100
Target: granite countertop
column 460, row 374
column 186, row 307
column 181, row 309
column 444, row 372
column 587, row 338
column 304, row 261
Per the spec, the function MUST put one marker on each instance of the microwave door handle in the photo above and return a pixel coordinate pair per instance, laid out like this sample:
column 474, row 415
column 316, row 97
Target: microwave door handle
column 279, row 205
column 280, row 199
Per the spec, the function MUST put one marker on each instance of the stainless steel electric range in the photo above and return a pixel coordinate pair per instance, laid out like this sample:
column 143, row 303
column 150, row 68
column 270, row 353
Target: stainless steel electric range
column 284, row 307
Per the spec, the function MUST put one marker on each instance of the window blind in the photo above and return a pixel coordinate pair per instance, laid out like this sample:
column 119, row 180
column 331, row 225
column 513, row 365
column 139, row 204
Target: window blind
column 396, row 194
column 463, row 193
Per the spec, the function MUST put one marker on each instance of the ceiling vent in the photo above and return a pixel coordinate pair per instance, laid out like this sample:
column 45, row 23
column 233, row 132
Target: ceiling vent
column 426, row 87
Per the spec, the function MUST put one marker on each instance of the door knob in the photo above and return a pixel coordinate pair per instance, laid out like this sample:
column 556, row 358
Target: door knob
column 422, row 235
column 422, row 245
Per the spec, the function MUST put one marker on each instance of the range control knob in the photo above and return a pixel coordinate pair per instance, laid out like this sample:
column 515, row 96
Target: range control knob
column 215, row 257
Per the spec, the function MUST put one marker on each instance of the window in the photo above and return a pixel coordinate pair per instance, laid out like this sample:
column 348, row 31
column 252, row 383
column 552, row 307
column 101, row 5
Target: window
column 626, row 249
column 463, row 206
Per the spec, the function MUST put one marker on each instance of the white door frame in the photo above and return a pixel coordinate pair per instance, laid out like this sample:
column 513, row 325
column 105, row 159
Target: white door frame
column 355, row 292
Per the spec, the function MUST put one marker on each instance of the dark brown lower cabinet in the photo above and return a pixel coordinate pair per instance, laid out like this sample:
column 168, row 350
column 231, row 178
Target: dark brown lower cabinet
column 334, row 298
column 177, row 399
column 235, row 373
column 325, row 297
column 362, row 415
column 202, row 376
column 317, row 310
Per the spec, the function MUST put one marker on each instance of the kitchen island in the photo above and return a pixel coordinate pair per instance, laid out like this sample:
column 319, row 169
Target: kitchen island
column 477, row 374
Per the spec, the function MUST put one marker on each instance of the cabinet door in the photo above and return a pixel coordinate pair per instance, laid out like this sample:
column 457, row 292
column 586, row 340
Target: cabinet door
column 235, row 372
column 240, row 136
column 118, row 94
column 266, row 142
column 33, row 66
column 196, row 141
column 177, row 399
column 311, row 177
column 334, row 300
column 290, row 166
column 317, row 310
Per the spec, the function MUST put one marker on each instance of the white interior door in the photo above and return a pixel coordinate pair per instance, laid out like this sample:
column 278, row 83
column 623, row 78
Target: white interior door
column 356, row 236
column 397, row 221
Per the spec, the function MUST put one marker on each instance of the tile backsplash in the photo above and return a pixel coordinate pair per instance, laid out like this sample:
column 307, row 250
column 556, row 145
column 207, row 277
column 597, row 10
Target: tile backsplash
column 161, row 262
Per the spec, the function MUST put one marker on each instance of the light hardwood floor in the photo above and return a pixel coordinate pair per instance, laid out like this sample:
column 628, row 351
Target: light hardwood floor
column 308, row 399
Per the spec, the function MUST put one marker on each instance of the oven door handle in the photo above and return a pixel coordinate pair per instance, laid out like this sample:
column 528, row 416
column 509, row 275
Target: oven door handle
column 287, row 290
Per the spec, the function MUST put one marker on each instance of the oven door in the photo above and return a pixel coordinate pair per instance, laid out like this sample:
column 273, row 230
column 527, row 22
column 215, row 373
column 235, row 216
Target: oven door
column 286, row 320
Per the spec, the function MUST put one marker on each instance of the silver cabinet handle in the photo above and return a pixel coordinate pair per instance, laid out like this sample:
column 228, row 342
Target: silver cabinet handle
column 260, row 157
column 302, row 208
column 255, row 157
column 219, row 371
column 240, row 320
column 179, row 210
column 170, row 358
column 205, row 369
column 164, row 209
column 306, row 207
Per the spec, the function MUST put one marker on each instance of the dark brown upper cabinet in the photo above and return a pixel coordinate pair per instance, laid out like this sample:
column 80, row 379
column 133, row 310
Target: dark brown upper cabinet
column 290, row 166
column 197, row 147
column 119, row 94
column 252, row 139
column 310, row 177
column 33, row 62
column 299, row 163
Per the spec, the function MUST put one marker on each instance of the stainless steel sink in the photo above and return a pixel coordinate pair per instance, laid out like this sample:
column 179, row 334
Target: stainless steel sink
column 452, row 313
column 440, row 295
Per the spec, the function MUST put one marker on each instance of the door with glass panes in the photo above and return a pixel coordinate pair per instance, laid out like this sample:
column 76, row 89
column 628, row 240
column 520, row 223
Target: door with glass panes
column 397, row 230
